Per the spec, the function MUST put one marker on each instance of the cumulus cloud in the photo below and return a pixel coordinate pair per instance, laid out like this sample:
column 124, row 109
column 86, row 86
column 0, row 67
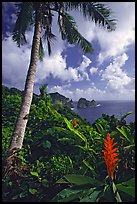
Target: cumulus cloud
column 83, row 67
column 93, row 70
column 85, row 63
column 15, row 62
column 117, row 42
column 117, row 79
column 56, row 65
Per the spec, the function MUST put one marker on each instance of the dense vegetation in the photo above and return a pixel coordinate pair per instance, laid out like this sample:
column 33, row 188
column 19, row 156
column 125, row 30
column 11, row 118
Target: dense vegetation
column 62, row 162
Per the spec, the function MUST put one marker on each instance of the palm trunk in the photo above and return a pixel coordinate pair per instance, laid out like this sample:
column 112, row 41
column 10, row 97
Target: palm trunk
column 19, row 131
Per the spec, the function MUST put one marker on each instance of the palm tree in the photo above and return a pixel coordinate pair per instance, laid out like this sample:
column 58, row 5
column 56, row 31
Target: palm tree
column 40, row 15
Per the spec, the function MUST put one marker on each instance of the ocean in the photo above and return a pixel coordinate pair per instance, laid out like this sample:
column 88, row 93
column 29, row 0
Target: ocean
column 116, row 108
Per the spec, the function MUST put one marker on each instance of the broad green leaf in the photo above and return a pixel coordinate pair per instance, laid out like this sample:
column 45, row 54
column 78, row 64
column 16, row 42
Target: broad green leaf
column 127, row 187
column 61, row 180
column 32, row 191
column 34, row 173
column 67, row 195
column 80, row 179
column 130, row 182
column 92, row 197
column 70, row 198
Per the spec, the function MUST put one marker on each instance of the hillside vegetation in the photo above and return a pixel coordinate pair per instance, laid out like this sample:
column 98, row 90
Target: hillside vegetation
column 61, row 162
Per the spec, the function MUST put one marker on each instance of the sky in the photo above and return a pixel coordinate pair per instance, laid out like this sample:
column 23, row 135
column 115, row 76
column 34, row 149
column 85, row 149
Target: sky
column 108, row 74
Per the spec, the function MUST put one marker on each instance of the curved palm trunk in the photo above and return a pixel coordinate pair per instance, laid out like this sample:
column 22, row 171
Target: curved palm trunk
column 19, row 131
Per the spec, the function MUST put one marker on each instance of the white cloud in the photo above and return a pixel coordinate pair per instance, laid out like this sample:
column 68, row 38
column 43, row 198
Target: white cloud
column 85, row 63
column 83, row 67
column 93, row 70
column 89, row 93
column 15, row 63
column 117, row 79
column 117, row 42
column 56, row 65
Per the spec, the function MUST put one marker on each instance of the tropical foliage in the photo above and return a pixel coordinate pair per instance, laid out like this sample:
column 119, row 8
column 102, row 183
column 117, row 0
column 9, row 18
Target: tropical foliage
column 62, row 160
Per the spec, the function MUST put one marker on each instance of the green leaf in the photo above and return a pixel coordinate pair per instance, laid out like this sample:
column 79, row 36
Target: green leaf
column 125, row 131
column 22, row 194
column 100, row 128
column 89, row 166
column 67, row 195
column 127, row 187
column 15, row 197
column 92, row 197
column 80, row 179
column 45, row 183
column 117, row 196
column 64, row 139
column 124, row 116
column 129, row 147
column 34, row 173
column 32, row 191
column 81, row 147
column 46, row 144
column 61, row 180
column 81, row 136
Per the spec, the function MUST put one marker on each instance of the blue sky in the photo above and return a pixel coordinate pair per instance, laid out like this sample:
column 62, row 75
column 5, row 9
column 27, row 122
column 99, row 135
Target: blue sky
column 108, row 74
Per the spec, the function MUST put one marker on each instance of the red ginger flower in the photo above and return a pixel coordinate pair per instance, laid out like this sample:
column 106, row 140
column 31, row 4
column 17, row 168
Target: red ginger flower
column 74, row 122
column 110, row 155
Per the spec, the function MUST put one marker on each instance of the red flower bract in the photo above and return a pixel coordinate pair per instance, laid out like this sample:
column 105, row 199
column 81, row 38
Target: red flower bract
column 74, row 122
column 110, row 155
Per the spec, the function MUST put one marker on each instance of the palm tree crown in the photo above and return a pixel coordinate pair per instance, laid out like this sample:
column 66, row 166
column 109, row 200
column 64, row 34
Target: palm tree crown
column 98, row 13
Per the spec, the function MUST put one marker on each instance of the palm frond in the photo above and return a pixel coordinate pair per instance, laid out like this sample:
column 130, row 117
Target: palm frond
column 43, row 89
column 47, row 24
column 25, row 18
column 41, row 51
column 69, row 32
column 99, row 13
